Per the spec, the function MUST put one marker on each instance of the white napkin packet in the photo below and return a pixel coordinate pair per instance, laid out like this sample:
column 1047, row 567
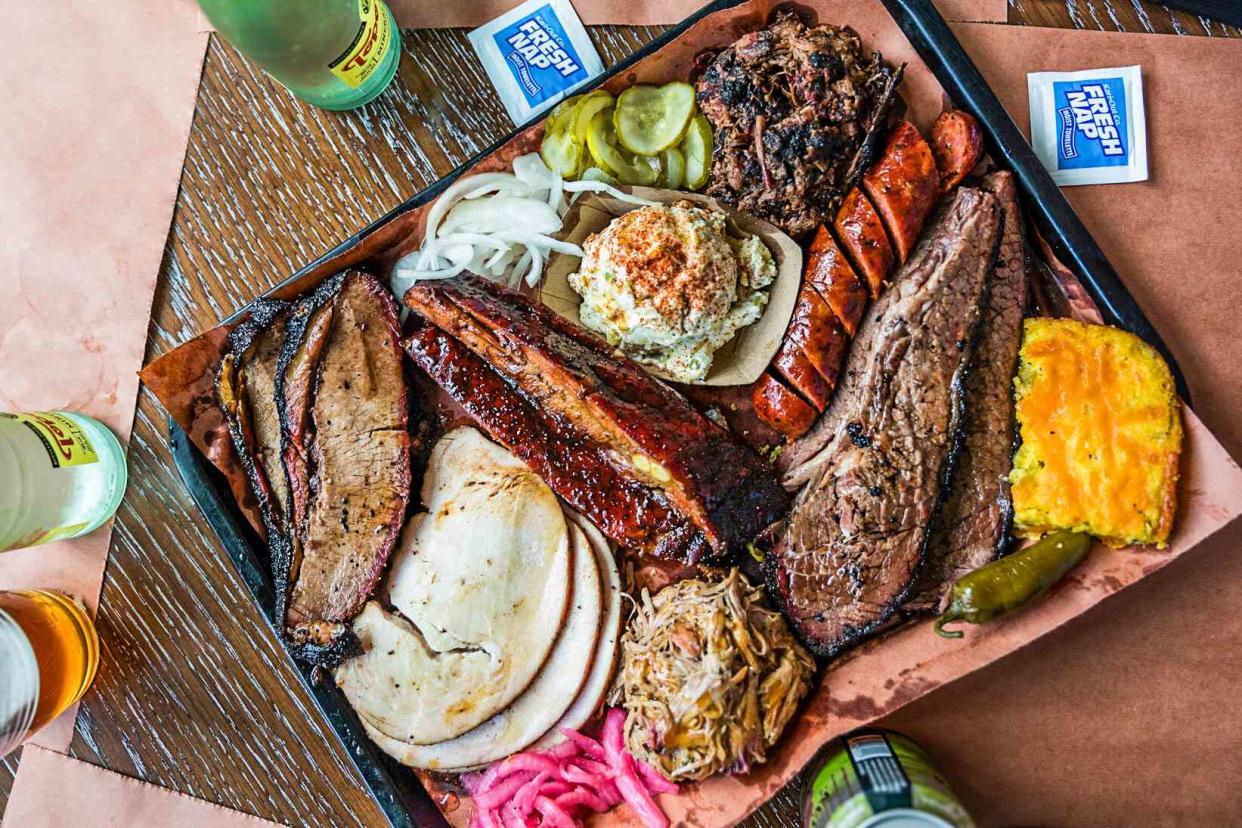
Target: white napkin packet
column 1088, row 127
column 536, row 54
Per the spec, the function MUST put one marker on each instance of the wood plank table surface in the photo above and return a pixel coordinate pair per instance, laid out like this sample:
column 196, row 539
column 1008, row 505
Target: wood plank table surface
column 194, row 693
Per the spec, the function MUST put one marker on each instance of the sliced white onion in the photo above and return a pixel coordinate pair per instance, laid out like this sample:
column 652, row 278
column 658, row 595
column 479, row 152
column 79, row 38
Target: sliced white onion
column 498, row 225
column 497, row 213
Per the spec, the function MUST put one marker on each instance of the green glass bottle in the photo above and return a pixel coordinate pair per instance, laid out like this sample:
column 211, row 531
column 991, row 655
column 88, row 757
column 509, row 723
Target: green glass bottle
column 334, row 54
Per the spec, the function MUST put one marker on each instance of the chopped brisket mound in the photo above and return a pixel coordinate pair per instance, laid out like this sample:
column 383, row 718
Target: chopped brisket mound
column 797, row 113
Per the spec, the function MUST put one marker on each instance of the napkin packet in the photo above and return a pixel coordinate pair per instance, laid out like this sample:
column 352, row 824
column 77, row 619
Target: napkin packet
column 535, row 55
column 1088, row 127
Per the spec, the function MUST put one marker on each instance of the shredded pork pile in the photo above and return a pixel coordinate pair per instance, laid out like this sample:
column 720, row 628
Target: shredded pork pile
column 792, row 108
column 710, row 676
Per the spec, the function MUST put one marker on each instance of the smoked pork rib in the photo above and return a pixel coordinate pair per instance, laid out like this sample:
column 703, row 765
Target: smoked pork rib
column 648, row 432
column 855, row 537
column 974, row 523
column 574, row 466
column 345, row 446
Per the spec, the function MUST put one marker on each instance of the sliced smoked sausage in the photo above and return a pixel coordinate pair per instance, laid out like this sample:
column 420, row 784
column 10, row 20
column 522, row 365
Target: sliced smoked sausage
column 818, row 330
column 781, row 408
column 830, row 273
column 957, row 143
column 903, row 185
column 863, row 237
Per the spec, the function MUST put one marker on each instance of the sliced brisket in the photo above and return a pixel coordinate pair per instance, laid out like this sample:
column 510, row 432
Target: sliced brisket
column 975, row 519
column 649, row 433
column 357, row 464
column 855, row 537
column 245, row 388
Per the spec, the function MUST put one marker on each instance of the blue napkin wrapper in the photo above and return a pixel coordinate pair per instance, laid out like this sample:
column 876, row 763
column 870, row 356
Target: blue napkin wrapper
column 1089, row 127
column 536, row 55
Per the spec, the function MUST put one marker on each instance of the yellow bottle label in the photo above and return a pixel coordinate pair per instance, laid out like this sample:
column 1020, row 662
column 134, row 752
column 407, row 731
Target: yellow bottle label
column 369, row 46
column 63, row 439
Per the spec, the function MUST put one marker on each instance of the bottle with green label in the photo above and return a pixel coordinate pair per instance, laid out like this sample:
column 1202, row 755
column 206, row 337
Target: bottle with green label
column 335, row 54
column 879, row 779
column 61, row 475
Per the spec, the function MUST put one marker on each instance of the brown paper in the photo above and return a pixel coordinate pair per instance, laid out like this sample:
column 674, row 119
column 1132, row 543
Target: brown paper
column 892, row 671
column 742, row 359
column 90, row 155
column 53, row 790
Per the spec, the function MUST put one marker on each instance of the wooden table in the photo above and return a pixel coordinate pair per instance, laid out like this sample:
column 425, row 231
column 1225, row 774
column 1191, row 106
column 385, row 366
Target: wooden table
column 194, row 693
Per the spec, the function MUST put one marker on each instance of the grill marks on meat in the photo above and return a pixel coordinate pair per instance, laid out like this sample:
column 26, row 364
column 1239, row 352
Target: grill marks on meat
column 853, row 542
column 647, row 432
column 974, row 523
column 795, row 112
column 358, row 459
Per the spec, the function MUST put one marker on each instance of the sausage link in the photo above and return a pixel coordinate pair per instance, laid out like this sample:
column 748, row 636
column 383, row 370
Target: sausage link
column 781, row 408
column 904, row 185
column 823, row 338
column 863, row 237
column 829, row 272
column 957, row 143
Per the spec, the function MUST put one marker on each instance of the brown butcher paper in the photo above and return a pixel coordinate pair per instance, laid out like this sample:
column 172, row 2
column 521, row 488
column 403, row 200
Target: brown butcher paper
column 886, row 673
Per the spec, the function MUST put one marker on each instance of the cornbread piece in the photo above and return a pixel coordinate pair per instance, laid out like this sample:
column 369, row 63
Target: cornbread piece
column 1101, row 434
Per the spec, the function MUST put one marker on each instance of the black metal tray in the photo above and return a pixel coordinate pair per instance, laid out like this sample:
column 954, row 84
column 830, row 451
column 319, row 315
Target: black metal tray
column 395, row 788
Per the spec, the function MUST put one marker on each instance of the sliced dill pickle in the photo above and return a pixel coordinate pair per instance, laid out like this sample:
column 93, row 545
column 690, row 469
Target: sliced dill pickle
column 624, row 166
column 562, row 116
column 672, row 169
column 650, row 119
column 593, row 104
column 697, row 149
column 598, row 174
column 563, row 153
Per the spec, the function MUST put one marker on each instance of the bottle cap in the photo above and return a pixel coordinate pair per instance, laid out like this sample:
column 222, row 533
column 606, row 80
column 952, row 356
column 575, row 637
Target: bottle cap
column 536, row 54
column 1088, row 127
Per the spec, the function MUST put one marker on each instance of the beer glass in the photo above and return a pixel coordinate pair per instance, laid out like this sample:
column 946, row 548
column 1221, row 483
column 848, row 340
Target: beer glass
column 49, row 653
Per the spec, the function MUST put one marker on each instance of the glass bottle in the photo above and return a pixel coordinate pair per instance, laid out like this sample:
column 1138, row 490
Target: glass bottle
column 61, row 475
column 334, row 54
column 49, row 654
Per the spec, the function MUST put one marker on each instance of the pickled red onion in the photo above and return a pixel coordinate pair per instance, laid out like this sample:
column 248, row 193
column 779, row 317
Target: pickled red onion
column 555, row 787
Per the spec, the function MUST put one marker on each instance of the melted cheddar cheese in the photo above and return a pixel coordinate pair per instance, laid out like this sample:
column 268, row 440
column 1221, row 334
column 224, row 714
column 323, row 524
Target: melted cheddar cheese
column 1101, row 433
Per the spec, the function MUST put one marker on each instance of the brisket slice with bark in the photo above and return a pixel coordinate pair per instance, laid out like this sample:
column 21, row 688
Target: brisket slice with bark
column 344, row 416
column 852, row 545
column 246, row 391
column 648, row 433
column 974, row 522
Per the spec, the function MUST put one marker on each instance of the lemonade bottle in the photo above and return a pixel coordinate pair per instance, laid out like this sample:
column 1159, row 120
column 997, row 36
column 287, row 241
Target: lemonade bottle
column 334, row 54
column 61, row 475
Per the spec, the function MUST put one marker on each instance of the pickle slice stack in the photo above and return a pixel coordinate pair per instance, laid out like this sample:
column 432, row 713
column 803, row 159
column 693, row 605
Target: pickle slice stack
column 648, row 136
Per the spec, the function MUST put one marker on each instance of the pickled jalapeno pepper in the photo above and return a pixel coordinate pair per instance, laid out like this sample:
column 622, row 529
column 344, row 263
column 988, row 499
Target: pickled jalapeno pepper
column 1011, row 582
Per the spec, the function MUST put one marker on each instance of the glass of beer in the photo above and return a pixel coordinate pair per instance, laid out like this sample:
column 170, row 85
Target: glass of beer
column 49, row 652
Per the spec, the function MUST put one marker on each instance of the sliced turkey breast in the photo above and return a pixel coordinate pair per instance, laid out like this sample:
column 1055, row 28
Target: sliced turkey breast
column 480, row 585
column 533, row 713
